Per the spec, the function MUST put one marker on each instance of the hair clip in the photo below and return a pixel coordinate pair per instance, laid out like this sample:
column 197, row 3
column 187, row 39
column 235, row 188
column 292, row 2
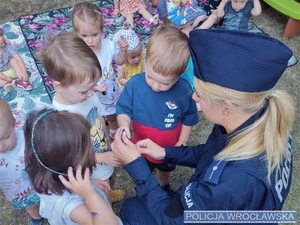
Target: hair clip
column 97, row 11
column 79, row 9
column 32, row 141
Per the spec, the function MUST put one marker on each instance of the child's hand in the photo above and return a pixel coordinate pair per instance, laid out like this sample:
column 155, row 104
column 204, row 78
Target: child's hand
column 103, row 185
column 115, row 12
column 78, row 184
column 101, row 88
column 125, row 131
column 123, row 44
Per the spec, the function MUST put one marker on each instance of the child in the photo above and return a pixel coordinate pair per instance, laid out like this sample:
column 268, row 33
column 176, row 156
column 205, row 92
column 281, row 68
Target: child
column 14, row 181
column 236, row 13
column 158, row 102
column 88, row 24
column 48, row 161
column 135, row 57
column 75, row 69
column 12, row 67
column 129, row 7
column 186, row 16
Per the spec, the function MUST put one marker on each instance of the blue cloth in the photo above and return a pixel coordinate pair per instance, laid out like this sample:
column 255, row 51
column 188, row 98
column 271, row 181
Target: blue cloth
column 188, row 75
column 236, row 185
column 247, row 62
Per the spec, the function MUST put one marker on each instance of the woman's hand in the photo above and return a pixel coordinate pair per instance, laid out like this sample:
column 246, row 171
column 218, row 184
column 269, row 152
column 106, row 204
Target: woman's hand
column 150, row 148
column 123, row 148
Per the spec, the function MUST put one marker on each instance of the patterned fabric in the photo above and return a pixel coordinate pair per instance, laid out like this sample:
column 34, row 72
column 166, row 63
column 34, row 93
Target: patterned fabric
column 6, row 55
column 37, row 28
column 21, row 101
column 130, row 6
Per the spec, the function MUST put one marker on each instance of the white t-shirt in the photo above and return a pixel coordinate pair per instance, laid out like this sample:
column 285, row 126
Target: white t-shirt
column 109, row 52
column 57, row 208
column 91, row 109
column 14, row 181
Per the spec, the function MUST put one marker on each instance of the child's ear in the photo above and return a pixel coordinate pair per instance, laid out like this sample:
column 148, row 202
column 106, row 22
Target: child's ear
column 57, row 86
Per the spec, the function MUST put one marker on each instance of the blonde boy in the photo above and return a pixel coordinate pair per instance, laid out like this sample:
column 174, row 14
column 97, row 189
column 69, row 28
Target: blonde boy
column 158, row 102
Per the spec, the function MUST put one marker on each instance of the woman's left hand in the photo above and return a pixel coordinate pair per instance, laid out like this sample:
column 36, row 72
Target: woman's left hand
column 123, row 148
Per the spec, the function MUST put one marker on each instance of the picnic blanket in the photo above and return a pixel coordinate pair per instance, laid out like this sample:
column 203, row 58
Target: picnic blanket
column 30, row 33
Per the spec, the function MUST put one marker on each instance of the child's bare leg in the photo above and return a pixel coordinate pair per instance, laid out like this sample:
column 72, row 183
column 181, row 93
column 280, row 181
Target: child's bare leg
column 163, row 177
column 19, row 70
column 145, row 14
column 33, row 211
column 211, row 20
column 103, row 184
column 3, row 82
column 129, row 18
column 113, row 123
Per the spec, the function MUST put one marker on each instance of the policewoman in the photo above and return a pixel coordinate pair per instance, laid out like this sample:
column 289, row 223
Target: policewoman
column 246, row 163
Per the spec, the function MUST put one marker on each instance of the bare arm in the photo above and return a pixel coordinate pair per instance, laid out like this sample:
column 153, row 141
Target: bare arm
column 121, row 78
column 220, row 9
column 95, row 210
column 124, row 123
column 123, row 44
column 184, row 135
column 256, row 11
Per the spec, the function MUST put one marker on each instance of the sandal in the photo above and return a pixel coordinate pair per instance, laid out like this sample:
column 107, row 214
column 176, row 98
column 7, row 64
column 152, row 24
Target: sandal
column 127, row 25
column 24, row 85
column 154, row 20
column 9, row 87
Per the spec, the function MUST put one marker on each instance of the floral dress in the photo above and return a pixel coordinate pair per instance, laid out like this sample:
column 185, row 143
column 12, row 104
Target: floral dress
column 130, row 6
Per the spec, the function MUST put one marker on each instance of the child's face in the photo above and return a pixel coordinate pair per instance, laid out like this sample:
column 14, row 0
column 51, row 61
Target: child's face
column 158, row 82
column 238, row 5
column 7, row 136
column 134, row 59
column 74, row 93
column 2, row 39
column 91, row 35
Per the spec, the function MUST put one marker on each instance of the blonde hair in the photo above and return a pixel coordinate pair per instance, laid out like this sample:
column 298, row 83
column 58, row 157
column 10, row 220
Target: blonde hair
column 69, row 60
column 167, row 51
column 88, row 13
column 135, row 51
column 269, row 134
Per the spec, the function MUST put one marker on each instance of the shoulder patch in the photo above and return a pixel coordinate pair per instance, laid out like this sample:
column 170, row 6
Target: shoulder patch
column 214, row 171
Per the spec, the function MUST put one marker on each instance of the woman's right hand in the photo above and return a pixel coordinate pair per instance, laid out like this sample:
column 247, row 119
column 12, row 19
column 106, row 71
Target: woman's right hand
column 150, row 148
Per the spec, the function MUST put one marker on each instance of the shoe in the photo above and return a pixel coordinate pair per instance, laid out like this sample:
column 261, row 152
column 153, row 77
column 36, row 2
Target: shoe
column 36, row 221
column 9, row 87
column 154, row 20
column 292, row 61
column 167, row 188
column 24, row 85
column 117, row 195
column 127, row 25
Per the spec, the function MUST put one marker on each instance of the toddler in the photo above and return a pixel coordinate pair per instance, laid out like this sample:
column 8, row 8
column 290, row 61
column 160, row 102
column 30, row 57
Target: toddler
column 158, row 102
column 14, row 181
column 88, row 24
column 236, row 13
column 75, row 69
column 50, row 160
column 135, row 58
column 129, row 7
column 12, row 68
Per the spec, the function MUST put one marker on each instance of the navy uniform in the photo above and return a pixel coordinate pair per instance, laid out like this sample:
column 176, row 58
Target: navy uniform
column 218, row 185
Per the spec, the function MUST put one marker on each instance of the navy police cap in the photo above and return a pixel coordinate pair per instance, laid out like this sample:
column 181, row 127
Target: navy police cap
column 238, row 60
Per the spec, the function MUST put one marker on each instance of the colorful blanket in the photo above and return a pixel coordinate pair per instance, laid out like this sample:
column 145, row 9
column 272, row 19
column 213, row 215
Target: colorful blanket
column 30, row 33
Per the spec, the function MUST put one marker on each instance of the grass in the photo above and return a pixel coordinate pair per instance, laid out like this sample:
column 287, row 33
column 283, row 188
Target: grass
column 271, row 21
